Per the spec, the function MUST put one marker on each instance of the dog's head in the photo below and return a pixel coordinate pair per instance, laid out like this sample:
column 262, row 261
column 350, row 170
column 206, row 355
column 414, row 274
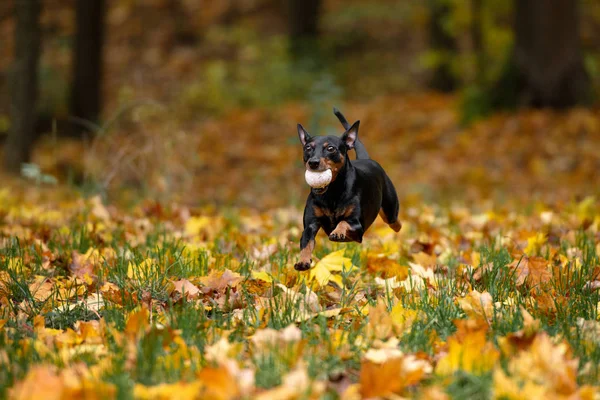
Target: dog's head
column 327, row 152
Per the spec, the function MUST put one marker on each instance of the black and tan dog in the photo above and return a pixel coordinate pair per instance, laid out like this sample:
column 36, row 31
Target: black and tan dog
column 358, row 190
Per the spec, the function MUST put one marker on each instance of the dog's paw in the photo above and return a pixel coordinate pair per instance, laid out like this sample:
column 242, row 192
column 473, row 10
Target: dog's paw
column 302, row 265
column 339, row 237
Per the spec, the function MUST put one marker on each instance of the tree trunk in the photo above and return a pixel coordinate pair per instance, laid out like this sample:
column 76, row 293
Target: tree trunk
column 546, row 69
column 86, row 90
column 478, row 41
column 303, row 21
column 444, row 46
column 24, row 84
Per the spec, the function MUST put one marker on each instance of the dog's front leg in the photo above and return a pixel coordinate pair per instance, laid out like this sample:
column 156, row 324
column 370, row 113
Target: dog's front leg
column 307, row 244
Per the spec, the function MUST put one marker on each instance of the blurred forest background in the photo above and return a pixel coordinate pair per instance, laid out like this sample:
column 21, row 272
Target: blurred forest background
column 197, row 100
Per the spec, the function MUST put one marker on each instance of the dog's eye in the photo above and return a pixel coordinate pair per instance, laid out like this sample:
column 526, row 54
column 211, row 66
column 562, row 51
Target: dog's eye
column 330, row 149
column 308, row 147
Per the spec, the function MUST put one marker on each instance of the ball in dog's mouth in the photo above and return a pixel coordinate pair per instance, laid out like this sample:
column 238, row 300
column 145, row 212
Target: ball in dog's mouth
column 318, row 180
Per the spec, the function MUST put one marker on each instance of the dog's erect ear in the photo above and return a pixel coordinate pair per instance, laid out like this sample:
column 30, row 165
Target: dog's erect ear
column 303, row 135
column 349, row 137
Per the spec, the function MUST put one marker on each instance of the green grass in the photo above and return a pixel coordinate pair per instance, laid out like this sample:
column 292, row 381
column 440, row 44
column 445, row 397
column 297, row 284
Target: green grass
column 331, row 347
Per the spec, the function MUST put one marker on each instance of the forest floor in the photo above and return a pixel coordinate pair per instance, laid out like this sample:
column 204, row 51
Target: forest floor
column 162, row 261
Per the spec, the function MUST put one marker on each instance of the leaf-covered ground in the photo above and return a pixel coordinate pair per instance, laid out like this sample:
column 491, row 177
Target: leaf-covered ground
column 168, row 301
column 491, row 289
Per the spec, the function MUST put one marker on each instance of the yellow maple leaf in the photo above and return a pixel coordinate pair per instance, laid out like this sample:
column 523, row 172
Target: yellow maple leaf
column 203, row 227
column 402, row 317
column 543, row 369
column 322, row 273
column 137, row 322
column 140, row 270
column 535, row 243
column 184, row 391
column 262, row 276
column 586, row 209
column 472, row 354
column 506, row 388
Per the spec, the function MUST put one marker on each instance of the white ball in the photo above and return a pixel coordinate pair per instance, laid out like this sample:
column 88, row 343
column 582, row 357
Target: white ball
column 318, row 179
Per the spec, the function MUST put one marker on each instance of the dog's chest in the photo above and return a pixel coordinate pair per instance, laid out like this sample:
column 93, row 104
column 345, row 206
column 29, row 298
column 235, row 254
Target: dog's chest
column 333, row 215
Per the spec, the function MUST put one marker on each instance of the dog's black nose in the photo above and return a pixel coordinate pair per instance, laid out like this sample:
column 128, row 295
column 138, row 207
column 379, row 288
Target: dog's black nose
column 313, row 164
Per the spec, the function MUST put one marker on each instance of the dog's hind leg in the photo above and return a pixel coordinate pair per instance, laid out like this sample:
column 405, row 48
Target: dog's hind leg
column 390, row 205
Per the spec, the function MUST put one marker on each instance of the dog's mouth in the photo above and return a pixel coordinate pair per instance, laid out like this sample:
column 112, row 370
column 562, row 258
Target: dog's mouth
column 320, row 190
column 318, row 180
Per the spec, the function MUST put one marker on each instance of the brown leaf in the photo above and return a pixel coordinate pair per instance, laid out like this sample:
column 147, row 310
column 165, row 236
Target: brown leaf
column 592, row 285
column 534, row 271
column 220, row 280
column 426, row 260
column 42, row 288
column 184, row 286
column 480, row 271
column 82, row 265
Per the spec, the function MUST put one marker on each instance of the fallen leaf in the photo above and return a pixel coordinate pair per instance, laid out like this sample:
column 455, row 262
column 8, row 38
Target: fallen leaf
column 323, row 271
column 220, row 280
column 473, row 353
column 137, row 322
column 262, row 276
column 165, row 391
column 184, row 286
column 535, row 271
column 218, row 384
column 42, row 288
column 478, row 305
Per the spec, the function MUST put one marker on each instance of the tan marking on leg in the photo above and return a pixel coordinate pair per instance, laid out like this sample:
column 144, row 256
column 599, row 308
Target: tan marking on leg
column 342, row 228
column 306, row 253
column 348, row 211
column 318, row 211
column 341, row 233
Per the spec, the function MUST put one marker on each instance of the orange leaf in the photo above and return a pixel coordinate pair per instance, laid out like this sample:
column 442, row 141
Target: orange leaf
column 531, row 270
column 218, row 384
column 381, row 379
column 137, row 322
column 41, row 382
column 220, row 280
column 383, row 266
